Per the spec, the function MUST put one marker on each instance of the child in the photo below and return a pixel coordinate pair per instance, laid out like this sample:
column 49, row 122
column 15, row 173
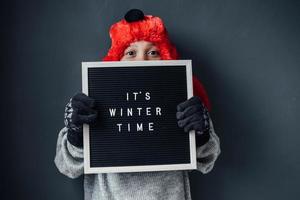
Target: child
column 138, row 37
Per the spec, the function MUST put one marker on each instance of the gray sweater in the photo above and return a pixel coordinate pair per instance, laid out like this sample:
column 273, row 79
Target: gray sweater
column 161, row 185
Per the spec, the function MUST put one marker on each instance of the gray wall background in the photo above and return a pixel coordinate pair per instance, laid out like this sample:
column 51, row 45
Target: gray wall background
column 245, row 52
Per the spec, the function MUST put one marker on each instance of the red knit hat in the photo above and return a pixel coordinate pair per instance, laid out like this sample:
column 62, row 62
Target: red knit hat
column 136, row 27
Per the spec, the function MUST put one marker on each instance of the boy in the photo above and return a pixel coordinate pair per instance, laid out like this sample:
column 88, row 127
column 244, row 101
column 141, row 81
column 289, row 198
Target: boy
column 138, row 37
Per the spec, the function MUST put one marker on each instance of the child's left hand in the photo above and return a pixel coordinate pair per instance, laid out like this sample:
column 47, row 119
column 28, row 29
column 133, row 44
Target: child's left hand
column 192, row 115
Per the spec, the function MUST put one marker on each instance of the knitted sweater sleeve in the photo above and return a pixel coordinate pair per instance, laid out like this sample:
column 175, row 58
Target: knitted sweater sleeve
column 208, row 153
column 68, row 158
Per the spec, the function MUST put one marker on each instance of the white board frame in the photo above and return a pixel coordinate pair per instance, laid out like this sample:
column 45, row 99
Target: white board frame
column 121, row 169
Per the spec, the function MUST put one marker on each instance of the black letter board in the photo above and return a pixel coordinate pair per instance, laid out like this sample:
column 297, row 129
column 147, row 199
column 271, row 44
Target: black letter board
column 137, row 129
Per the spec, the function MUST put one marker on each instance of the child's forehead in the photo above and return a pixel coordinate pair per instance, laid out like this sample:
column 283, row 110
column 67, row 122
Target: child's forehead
column 141, row 43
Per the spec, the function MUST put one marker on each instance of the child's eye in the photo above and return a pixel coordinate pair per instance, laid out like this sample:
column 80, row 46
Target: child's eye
column 130, row 53
column 153, row 53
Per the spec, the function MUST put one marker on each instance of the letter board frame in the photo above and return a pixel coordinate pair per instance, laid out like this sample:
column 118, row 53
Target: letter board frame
column 90, row 68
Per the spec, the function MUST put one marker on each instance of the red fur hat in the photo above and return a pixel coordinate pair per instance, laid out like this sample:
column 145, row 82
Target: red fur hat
column 135, row 27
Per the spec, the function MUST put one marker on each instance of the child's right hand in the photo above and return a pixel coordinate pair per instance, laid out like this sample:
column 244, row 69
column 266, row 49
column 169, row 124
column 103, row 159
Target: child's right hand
column 79, row 110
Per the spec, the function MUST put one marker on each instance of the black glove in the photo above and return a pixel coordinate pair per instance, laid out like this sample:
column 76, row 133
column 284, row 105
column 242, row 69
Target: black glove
column 78, row 111
column 193, row 115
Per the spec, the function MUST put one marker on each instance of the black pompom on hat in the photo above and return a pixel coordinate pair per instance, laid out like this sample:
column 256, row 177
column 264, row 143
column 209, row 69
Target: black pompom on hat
column 134, row 15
